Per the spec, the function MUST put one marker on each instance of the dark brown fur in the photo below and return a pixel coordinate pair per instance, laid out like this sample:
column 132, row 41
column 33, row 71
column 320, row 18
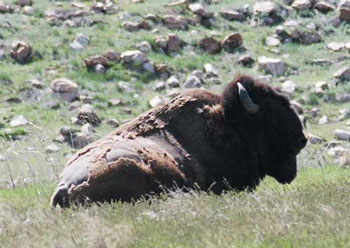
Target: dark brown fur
column 198, row 138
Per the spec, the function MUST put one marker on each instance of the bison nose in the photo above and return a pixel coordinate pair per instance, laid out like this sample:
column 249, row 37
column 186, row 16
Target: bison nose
column 302, row 142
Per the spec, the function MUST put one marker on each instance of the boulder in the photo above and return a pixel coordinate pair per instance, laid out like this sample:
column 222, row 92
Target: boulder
column 210, row 70
column 65, row 89
column 335, row 46
column 18, row 121
column 210, row 45
column 93, row 61
column 134, row 57
column 301, row 4
column 156, row 101
column 272, row 41
column 161, row 42
column 21, row 51
column 192, row 82
column 144, row 46
column 343, row 74
column 232, row 15
column 88, row 115
column 324, row 6
column 5, row 8
column 271, row 66
column 313, row 139
column 173, row 82
column 265, row 7
column 24, row 2
column 135, row 26
column 342, row 134
column 323, row 120
column 149, row 67
column 231, row 42
column 306, row 37
column 173, row 44
column 344, row 10
column 289, row 87
column 175, row 22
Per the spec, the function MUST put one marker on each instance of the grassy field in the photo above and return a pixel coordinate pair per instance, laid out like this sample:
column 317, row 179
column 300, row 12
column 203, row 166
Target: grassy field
column 313, row 211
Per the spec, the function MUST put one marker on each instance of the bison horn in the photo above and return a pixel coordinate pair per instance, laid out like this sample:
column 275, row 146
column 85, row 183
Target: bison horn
column 246, row 101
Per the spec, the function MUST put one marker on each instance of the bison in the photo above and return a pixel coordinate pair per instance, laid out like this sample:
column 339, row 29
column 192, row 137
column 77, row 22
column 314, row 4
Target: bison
column 198, row 139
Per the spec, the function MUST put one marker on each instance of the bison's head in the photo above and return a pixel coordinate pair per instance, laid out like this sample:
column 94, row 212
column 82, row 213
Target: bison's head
column 268, row 125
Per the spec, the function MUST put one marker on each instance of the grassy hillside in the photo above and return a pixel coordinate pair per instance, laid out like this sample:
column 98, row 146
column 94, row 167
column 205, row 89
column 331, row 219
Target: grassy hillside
column 311, row 212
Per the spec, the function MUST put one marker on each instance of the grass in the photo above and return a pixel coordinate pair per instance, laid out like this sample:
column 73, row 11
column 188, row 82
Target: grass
column 311, row 212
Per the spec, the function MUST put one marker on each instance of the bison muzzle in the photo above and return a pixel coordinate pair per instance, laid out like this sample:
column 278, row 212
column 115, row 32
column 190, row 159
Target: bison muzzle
column 198, row 139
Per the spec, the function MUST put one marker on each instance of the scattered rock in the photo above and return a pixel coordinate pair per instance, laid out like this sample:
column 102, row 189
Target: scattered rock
column 99, row 69
column 210, row 45
column 144, row 47
column 232, row 15
column 342, row 134
column 88, row 115
column 134, row 57
column 65, row 89
column 24, row 2
column 5, row 8
column 264, row 7
column 271, row 66
column 344, row 10
column 80, row 42
column 115, row 102
column 297, row 106
column 343, row 74
column 313, row 139
column 210, row 70
column 337, row 151
column 175, row 22
column 135, row 26
column 314, row 112
column 198, row 9
column 272, row 41
column 87, row 128
column 160, row 86
column 149, row 67
column 301, row 4
column 323, row 120
column 173, row 82
column 246, row 60
column 344, row 114
column 173, row 44
column 161, row 42
column 105, row 7
column 156, row 101
column 93, row 61
column 192, row 82
column 335, row 46
column 21, row 51
column 113, row 122
column 81, row 140
column 231, row 42
column 18, row 121
column 306, row 37
column 342, row 97
column 324, row 6
column 52, row 148
column 289, row 87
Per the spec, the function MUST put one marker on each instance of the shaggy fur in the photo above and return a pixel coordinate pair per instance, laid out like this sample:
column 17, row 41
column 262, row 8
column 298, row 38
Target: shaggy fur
column 197, row 139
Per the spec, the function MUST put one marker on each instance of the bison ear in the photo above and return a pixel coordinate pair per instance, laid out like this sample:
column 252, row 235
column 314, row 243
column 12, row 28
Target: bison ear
column 246, row 101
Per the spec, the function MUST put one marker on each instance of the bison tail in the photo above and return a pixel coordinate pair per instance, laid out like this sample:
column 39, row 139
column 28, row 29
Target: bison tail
column 60, row 197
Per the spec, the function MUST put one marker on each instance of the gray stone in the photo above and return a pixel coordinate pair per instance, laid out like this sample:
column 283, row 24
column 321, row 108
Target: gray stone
column 344, row 10
column 336, row 46
column 192, row 82
column 272, row 41
column 342, row 134
column 289, row 87
column 210, row 70
column 88, row 115
column 52, row 148
column 100, row 69
column 343, row 74
column 87, row 128
column 144, row 46
column 301, row 4
column 80, row 42
column 65, row 89
column 18, row 121
column 113, row 122
column 134, row 57
column 175, row 22
column 313, row 139
column 82, row 139
column 324, row 6
column 160, row 86
column 272, row 66
column 173, row 82
column 323, row 120
column 156, row 101
column 21, row 51
column 149, row 67
column 265, row 7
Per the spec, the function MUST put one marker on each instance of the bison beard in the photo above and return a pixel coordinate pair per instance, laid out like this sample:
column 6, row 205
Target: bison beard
column 198, row 139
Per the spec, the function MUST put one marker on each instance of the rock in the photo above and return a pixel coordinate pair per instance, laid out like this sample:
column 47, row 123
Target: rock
column 192, row 82
column 322, row 85
column 246, row 60
column 306, row 37
column 173, row 82
column 297, row 106
column 289, row 87
column 324, row 7
column 161, row 42
column 175, row 22
column 156, row 101
column 65, row 89
column 21, row 51
column 198, row 9
column 343, row 74
column 88, row 115
column 210, row 70
column 113, row 122
column 105, row 7
column 91, row 62
column 313, row 139
column 160, row 86
column 342, row 97
column 126, row 87
column 301, row 4
column 5, row 8
column 335, row 46
column 24, row 2
column 135, row 26
column 271, row 66
column 264, row 7
column 337, row 151
column 314, row 112
column 2, row 158
column 100, row 69
column 18, row 121
column 87, row 128
column 152, row 17
column 80, row 42
column 231, row 42
column 197, row 73
column 342, row 134
column 52, row 148
column 344, row 10
column 323, row 120
column 210, row 45
column 232, row 15
column 134, row 57
column 149, row 67
column 173, row 44
column 74, row 105
column 344, row 114
column 144, row 47
column 272, row 41
column 81, row 140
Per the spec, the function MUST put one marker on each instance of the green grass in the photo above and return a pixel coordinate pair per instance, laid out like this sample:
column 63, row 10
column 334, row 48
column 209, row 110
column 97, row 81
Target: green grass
column 311, row 212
